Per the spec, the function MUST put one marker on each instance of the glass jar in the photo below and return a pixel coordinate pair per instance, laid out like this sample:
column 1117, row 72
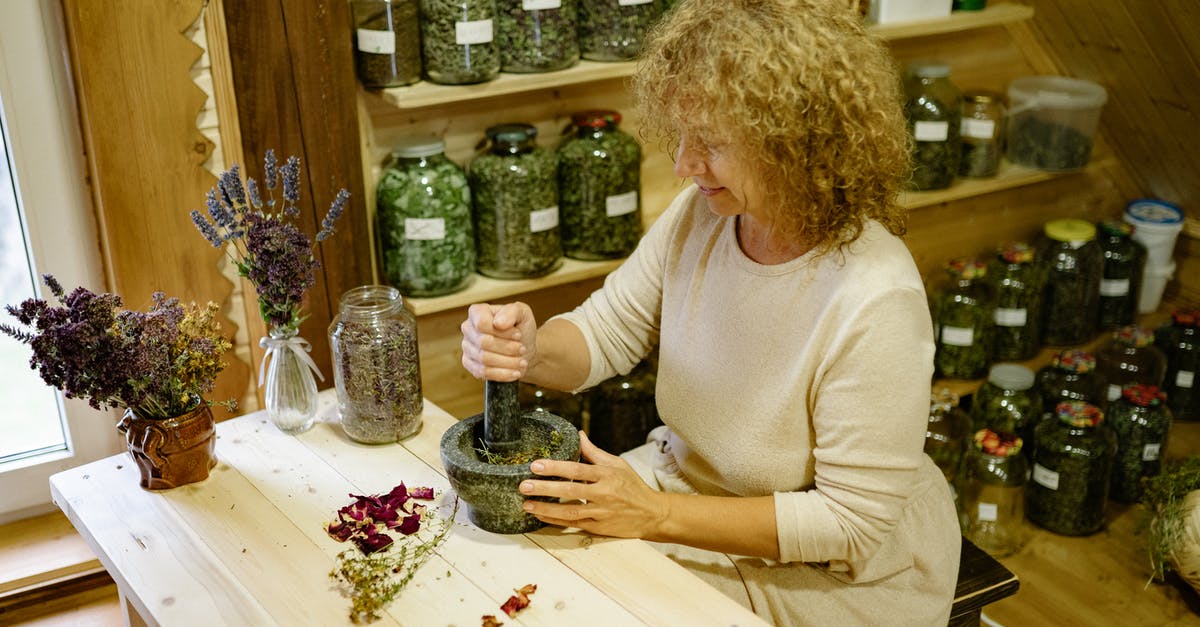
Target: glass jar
column 423, row 215
column 458, row 41
column 613, row 30
column 1181, row 343
column 1072, row 470
column 536, row 35
column 514, row 184
column 1130, row 356
column 562, row 404
column 946, row 432
column 1141, row 421
column 387, row 42
column 1007, row 402
column 376, row 365
column 933, row 106
column 1121, row 281
column 622, row 410
column 993, row 492
column 965, row 317
column 1018, row 283
column 599, row 182
column 982, row 130
column 1071, row 376
column 1074, row 265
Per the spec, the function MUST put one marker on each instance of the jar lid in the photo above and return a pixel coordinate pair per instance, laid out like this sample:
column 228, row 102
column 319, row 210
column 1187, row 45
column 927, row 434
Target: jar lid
column 967, row 268
column 1016, row 252
column 1011, row 376
column 1079, row 413
column 997, row 443
column 1186, row 317
column 416, row 146
column 982, row 96
column 929, row 69
column 511, row 133
column 1143, row 394
column 1113, row 228
column 1070, row 230
column 596, row 118
column 1149, row 210
column 1134, row 335
column 1075, row 360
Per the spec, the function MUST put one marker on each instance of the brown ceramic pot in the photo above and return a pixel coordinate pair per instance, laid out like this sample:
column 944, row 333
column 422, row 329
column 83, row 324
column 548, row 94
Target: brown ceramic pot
column 171, row 452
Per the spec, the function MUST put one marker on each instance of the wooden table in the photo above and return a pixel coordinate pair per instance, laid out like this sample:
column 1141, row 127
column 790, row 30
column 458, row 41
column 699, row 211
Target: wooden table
column 247, row 546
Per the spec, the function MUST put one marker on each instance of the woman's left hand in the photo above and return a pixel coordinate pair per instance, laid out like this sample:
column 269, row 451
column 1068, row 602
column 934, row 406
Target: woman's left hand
column 605, row 497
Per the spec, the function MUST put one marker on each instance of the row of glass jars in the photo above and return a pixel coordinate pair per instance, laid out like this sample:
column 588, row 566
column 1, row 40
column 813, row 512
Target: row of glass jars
column 954, row 133
column 516, row 211
column 471, row 41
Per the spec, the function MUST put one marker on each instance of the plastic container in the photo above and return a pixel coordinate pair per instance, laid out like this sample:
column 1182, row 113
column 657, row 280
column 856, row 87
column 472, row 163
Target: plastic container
column 1154, row 283
column 1156, row 226
column 1051, row 121
column 1074, row 265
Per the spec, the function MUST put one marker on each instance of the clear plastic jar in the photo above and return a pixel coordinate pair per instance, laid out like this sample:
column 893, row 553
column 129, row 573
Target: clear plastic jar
column 622, row 410
column 1072, row 470
column 537, row 35
column 1141, row 421
column 965, row 317
column 1007, row 402
column 1130, row 356
column 423, row 213
column 1074, row 265
column 1121, row 282
column 1181, row 342
column 387, row 42
column 376, row 365
column 599, row 182
column 982, row 133
column 613, row 30
column 1071, row 376
column 1018, row 283
column 993, row 492
column 514, row 184
column 946, row 433
column 933, row 106
column 458, row 41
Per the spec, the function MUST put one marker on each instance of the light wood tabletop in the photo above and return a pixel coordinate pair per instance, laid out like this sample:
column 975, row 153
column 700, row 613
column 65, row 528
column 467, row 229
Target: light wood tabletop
column 248, row 545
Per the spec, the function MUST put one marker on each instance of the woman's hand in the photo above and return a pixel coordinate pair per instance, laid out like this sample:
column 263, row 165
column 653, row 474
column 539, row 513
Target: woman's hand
column 606, row 497
column 499, row 341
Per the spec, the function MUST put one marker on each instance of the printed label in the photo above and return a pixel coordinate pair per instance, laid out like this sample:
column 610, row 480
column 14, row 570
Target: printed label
column 424, row 228
column 931, row 131
column 987, row 512
column 1183, row 378
column 1114, row 287
column 477, row 32
column 538, row 5
column 376, row 41
column 629, row 3
column 958, row 336
column 1010, row 317
column 1114, row 392
column 1045, row 477
column 543, row 219
column 621, row 204
column 1150, row 451
column 978, row 129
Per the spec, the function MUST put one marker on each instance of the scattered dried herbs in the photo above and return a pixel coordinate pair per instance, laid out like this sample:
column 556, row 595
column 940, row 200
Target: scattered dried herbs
column 457, row 39
column 613, row 30
column 599, row 182
column 517, row 458
column 1047, row 145
column 537, row 35
column 1073, row 460
column 387, row 48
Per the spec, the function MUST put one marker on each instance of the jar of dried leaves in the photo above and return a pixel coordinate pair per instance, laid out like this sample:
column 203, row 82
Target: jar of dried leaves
column 599, row 178
column 458, row 41
column 387, row 42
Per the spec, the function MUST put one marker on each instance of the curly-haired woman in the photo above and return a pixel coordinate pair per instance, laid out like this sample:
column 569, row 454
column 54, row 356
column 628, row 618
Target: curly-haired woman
column 795, row 344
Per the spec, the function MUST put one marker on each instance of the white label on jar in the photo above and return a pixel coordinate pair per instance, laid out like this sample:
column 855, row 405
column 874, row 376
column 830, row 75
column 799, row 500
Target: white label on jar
column 621, row 204
column 931, row 131
column 1114, row 287
column 1114, row 392
column 1006, row 317
column 630, row 3
column 538, row 5
column 987, row 512
column 424, row 228
column 543, row 219
column 1183, row 378
column 978, row 129
column 1150, row 451
column 958, row 336
column 376, row 41
column 477, row 32
column 1045, row 477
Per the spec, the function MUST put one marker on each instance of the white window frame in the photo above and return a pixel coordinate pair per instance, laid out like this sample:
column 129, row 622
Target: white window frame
column 46, row 146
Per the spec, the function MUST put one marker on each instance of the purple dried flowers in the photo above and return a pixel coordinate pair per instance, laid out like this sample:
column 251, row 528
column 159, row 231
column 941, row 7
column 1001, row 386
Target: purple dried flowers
column 270, row 250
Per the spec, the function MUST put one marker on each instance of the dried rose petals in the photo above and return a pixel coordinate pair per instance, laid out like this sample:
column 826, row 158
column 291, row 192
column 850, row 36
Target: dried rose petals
column 519, row 601
column 367, row 519
column 490, row 621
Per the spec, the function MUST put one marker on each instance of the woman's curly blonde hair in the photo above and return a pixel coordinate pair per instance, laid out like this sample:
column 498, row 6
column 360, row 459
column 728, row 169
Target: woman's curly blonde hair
column 802, row 90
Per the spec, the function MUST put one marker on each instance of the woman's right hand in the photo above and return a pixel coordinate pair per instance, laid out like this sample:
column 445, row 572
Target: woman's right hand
column 499, row 341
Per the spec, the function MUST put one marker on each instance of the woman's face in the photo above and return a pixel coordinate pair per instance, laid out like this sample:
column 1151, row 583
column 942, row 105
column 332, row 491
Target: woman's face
column 727, row 182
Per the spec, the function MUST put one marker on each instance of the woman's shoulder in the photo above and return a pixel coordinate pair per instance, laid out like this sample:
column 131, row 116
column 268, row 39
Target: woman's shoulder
column 877, row 259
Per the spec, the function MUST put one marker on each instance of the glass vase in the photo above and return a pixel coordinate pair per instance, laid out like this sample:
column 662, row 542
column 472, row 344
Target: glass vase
column 291, row 394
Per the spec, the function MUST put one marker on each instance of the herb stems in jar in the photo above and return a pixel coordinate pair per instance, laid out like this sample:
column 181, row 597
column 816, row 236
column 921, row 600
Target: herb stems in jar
column 458, row 41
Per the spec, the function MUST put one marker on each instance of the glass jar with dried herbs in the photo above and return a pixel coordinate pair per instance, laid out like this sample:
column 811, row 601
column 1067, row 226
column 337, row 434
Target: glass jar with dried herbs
column 387, row 42
column 1121, row 281
column 946, row 433
column 613, row 30
column 458, row 41
column 562, row 404
column 1018, row 283
column 1142, row 422
column 993, row 492
column 1180, row 340
column 376, row 365
column 537, row 35
column 1074, row 265
column 622, row 410
column 1007, row 402
column 1130, row 356
column 599, row 182
column 965, row 318
column 1071, row 376
column 1072, row 470
column 982, row 130
column 423, row 213
column 933, row 106
column 514, row 185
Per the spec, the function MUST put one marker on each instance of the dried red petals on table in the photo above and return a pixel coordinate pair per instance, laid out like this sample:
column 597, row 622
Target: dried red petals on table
column 518, row 601
column 367, row 520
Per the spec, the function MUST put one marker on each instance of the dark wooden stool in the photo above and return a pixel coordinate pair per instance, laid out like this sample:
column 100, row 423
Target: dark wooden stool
column 981, row 580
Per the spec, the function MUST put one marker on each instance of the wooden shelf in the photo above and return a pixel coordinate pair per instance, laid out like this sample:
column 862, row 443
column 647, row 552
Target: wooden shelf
column 993, row 15
column 485, row 289
column 1009, row 177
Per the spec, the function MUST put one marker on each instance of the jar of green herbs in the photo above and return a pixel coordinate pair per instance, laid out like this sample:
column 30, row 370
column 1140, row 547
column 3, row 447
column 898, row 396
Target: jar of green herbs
column 387, row 42
column 1121, row 281
column 933, row 106
column 1181, row 342
column 376, row 365
column 1007, row 402
column 537, row 35
column 423, row 215
column 995, row 473
column 1072, row 470
column 1018, row 283
column 514, row 186
column 613, row 30
column 1074, row 265
column 1130, row 356
column 1070, row 376
column 458, row 41
column 982, row 130
column 599, row 182
column 1142, row 422
column 946, row 433
column 965, row 319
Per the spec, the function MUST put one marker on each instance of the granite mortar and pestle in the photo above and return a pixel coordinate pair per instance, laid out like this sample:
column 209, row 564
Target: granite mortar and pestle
column 490, row 490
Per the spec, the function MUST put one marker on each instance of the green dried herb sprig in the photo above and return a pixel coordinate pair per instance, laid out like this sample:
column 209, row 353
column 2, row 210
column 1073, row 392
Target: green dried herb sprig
column 1162, row 503
column 520, row 457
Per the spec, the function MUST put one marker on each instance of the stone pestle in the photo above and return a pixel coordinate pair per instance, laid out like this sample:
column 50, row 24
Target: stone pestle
column 501, row 417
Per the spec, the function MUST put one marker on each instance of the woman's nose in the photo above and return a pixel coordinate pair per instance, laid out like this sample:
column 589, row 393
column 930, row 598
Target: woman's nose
column 688, row 161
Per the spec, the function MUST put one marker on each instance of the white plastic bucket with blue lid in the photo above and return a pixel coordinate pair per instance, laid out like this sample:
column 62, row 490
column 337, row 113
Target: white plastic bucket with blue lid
column 1156, row 225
